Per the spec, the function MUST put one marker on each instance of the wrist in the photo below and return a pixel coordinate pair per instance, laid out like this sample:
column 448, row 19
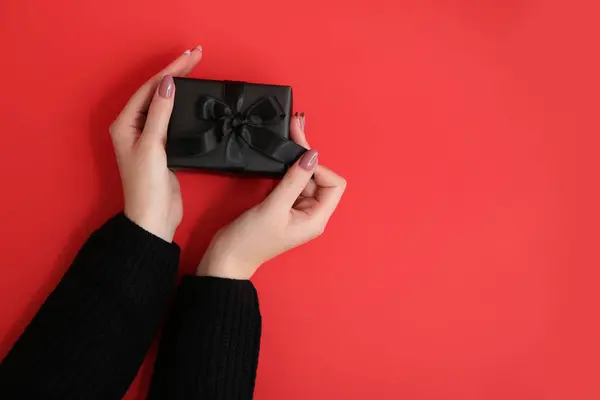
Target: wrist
column 224, row 268
column 152, row 225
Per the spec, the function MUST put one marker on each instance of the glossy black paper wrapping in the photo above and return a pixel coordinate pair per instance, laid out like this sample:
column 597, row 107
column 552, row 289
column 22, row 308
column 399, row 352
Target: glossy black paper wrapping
column 231, row 127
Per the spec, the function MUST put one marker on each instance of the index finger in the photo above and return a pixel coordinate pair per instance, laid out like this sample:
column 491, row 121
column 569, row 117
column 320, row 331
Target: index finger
column 330, row 188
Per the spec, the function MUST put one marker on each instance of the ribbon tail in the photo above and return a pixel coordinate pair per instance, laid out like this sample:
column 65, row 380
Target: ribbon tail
column 194, row 143
column 233, row 151
column 272, row 145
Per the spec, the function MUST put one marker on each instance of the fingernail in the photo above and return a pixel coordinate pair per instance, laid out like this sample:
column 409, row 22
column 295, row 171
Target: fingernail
column 187, row 52
column 302, row 121
column 199, row 48
column 298, row 120
column 309, row 160
column 165, row 89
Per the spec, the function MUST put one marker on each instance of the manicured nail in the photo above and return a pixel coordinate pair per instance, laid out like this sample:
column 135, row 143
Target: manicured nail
column 165, row 89
column 309, row 160
column 187, row 52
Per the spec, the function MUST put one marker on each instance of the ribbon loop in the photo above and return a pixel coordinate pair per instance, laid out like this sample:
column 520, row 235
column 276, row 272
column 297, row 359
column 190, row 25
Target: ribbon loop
column 265, row 111
column 212, row 109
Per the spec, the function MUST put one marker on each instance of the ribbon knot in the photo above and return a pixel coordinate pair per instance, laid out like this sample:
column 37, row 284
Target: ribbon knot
column 238, row 120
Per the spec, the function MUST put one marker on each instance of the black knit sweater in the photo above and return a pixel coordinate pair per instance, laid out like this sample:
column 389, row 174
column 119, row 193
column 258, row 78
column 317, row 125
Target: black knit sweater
column 90, row 337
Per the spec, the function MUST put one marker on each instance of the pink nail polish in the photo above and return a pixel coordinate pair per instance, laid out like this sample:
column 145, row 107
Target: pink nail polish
column 166, row 87
column 309, row 160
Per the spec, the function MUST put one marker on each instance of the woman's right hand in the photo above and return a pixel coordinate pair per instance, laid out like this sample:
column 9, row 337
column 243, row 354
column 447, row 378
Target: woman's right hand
column 296, row 212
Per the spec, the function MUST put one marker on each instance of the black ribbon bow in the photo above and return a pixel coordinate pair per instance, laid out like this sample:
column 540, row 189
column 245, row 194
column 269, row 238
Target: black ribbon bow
column 242, row 129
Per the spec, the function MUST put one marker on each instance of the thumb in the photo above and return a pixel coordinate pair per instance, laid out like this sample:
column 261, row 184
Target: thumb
column 295, row 180
column 160, row 109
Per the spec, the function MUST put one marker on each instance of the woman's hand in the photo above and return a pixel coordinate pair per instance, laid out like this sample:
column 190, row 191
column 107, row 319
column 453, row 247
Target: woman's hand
column 296, row 212
column 139, row 134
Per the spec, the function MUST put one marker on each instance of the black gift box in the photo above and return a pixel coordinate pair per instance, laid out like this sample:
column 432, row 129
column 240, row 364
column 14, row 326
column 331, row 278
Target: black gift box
column 235, row 127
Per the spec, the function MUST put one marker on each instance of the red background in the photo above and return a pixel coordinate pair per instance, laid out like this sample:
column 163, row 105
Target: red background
column 462, row 262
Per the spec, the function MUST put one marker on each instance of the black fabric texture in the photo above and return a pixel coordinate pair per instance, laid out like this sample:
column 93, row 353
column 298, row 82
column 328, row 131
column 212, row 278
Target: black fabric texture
column 91, row 335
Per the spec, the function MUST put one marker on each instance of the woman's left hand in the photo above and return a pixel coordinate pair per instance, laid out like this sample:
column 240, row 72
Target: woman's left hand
column 151, row 191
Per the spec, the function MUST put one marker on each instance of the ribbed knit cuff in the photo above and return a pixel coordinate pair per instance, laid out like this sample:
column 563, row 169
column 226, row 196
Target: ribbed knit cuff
column 210, row 346
column 147, row 265
column 212, row 295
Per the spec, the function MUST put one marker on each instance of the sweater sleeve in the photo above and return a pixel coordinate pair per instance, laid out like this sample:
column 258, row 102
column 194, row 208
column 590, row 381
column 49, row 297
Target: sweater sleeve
column 90, row 337
column 209, row 349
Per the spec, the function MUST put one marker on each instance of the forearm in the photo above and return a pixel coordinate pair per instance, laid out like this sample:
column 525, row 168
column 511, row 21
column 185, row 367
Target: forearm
column 91, row 335
column 210, row 345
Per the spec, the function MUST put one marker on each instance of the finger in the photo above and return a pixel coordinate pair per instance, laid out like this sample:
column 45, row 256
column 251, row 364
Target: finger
column 297, row 134
column 160, row 109
column 310, row 189
column 330, row 189
column 140, row 101
column 295, row 180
